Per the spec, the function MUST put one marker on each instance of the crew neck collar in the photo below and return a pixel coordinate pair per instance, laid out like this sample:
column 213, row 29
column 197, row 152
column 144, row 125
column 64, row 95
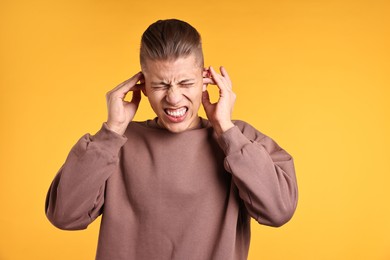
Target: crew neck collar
column 203, row 123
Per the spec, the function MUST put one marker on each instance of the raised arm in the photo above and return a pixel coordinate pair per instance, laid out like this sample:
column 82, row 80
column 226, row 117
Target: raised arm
column 76, row 195
column 263, row 173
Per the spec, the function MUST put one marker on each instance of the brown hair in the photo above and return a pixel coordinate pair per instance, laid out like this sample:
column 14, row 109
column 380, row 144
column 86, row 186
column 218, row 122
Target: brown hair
column 169, row 40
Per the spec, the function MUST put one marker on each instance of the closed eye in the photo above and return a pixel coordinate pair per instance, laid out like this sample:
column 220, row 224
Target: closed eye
column 160, row 86
column 186, row 85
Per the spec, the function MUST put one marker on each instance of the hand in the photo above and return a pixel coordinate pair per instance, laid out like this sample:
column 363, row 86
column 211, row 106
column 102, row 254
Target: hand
column 121, row 112
column 219, row 113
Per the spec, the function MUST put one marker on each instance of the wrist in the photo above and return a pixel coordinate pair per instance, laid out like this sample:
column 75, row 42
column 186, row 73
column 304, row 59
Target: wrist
column 116, row 128
column 222, row 128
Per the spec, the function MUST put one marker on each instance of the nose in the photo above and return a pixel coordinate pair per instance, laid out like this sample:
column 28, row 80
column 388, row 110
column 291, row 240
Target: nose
column 174, row 95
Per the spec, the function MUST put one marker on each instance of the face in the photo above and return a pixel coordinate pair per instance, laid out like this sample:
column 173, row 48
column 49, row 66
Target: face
column 174, row 89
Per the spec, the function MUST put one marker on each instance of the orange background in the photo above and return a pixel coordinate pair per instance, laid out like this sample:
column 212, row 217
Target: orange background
column 313, row 75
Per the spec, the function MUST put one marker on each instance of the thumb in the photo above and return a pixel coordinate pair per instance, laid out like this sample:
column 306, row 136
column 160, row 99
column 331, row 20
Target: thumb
column 136, row 97
column 206, row 99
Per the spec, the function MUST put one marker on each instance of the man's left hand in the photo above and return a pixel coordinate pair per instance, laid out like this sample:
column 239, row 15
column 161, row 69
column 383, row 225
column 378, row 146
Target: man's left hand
column 220, row 112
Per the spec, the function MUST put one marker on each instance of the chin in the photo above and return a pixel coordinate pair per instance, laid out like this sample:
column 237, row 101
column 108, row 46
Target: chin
column 186, row 123
column 177, row 128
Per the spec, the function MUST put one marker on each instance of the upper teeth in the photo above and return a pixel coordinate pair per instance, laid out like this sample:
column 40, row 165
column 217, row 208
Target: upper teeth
column 177, row 113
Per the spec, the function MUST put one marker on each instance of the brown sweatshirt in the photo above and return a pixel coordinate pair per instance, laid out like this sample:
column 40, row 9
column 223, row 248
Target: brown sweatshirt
column 166, row 195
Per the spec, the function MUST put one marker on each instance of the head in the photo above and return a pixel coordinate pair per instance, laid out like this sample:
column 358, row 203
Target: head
column 168, row 40
column 171, row 59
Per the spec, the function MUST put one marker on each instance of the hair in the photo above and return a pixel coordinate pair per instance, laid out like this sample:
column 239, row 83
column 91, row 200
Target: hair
column 170, row 39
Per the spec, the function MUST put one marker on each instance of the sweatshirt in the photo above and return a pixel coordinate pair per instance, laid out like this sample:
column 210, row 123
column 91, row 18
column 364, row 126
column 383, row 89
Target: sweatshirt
column 176, row 196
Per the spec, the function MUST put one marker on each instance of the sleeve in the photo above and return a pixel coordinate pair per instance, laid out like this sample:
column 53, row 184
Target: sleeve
column 263, row 173
column 76, row 195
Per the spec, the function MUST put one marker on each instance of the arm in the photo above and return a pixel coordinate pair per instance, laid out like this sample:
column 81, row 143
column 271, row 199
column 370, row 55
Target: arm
column 263, row 173
column 76, row 195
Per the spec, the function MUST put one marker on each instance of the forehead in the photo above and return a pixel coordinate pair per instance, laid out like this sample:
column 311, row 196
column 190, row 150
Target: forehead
column 181, row 67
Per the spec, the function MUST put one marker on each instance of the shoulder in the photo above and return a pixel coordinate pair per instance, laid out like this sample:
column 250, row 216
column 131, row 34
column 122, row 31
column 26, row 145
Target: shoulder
column 255, row 135
column 146, row 124
column 139, row 128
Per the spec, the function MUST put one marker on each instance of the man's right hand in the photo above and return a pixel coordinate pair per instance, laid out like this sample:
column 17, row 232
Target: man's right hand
column 121, row 112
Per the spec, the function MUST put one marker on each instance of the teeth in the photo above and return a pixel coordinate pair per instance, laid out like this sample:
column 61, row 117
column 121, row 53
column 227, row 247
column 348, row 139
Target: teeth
column 177, row 113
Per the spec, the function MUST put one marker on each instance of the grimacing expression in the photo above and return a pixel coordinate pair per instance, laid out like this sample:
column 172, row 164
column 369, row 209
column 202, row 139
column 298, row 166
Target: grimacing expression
column 174, row 89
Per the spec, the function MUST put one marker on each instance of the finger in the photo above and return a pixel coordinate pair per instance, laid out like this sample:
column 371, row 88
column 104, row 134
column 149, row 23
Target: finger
column 207, row 77
column 136, row 97
column 125, row 82
column 125, row 86
column 206, row 99
column 139, row 86
column 205, row 73
column 131, row 82
column 225, row 75
column 218, row 79
column 208, row 81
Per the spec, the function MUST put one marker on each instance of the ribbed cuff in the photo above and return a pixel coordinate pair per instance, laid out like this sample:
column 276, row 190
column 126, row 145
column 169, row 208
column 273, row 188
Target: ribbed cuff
column 109, row 139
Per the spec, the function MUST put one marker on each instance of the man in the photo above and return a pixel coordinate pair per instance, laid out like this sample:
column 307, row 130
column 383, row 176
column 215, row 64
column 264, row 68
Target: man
column 178, row 186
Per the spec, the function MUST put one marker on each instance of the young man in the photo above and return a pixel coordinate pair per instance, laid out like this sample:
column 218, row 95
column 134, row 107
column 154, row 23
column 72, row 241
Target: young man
column 178, row 186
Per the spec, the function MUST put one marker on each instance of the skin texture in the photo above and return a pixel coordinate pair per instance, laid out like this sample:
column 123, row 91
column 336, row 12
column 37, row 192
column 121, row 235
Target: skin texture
column 175, row 90
column 219, row 113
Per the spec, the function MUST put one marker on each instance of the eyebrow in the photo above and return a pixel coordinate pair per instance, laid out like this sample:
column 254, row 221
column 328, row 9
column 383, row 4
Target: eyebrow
column 159, row 83
column 184, row 81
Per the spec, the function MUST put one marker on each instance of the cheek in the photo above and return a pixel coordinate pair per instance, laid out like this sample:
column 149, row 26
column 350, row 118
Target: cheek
column 152, row 99
column 155, row 98
column 197, row 95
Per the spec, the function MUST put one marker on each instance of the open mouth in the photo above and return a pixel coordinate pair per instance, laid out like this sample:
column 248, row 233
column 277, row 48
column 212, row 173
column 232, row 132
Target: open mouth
column 176, row 115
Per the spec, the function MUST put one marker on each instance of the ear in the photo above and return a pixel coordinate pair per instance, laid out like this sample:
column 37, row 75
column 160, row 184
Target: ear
column 144, row 91
column 142, row 81
column 205, row 74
